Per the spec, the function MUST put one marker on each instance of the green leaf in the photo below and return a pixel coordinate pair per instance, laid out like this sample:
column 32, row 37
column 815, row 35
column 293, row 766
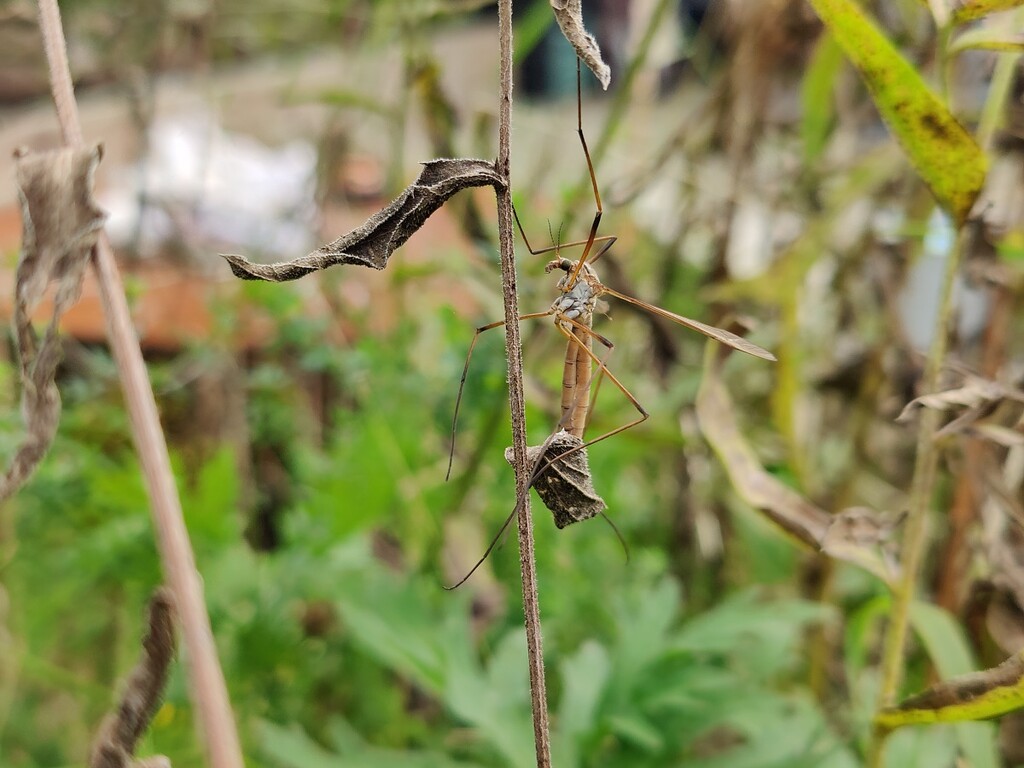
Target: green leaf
column 210, row 505
column 637, row 731
column 393, row 621
column 643, row 626
column 584, row 676
column 745, row 617
column 291, row 747
column 944, row 639
column 966, row 10
column 779, row 732
column 944, row 154
column 816, row 96
column 495, row 702
column 915, row 748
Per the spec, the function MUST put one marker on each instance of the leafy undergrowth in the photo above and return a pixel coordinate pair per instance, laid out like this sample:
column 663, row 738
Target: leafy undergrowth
column 339, row 645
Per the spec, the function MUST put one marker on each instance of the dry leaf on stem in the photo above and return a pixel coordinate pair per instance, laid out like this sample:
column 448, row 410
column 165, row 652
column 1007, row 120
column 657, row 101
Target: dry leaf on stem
column 121, row 730
column 858, row 535
column 569, row 15
column 60, row 225
column 372, row 244
column 565, row 486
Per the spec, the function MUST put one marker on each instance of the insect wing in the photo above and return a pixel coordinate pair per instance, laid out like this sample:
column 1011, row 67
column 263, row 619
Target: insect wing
column 718, row 334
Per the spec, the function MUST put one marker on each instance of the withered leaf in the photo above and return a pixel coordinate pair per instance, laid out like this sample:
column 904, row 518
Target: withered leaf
column 569, row 15
column 565, row 487
column 121, row 730
column 974, row 696
column 989, row 410
column 372, row 244
column 857, row 535
column 60, row 225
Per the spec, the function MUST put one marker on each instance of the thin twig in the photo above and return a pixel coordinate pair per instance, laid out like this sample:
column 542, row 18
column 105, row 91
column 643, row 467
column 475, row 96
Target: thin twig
column 513, row 347
column 209, row 692
column 915, row 529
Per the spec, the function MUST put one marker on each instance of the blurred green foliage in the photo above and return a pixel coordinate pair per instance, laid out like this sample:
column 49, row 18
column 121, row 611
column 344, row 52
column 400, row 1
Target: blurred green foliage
column 334, row 654
column 717, row 645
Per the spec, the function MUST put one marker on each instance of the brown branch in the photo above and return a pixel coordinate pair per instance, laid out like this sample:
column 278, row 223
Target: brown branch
column 513, row 347
column 208, row 690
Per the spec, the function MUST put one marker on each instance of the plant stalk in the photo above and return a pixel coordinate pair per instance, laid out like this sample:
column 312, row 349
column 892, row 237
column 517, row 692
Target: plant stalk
column 921, row 492
column 517, row 402
column 207, row 686
column 914, row 538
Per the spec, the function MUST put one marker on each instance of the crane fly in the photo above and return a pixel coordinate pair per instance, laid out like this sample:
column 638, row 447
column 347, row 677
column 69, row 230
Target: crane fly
column 573, row 313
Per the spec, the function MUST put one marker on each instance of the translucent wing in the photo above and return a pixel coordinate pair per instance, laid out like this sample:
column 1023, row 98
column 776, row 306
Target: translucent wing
column 718, row 334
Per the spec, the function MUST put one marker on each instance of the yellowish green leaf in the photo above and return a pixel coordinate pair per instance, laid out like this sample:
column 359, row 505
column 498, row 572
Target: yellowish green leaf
column 973, row 696
column 966, row 10
column 816, row 91
column 944, row 154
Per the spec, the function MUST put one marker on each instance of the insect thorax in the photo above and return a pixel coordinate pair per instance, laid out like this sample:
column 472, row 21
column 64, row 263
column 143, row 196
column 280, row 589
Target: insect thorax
column 577, row 301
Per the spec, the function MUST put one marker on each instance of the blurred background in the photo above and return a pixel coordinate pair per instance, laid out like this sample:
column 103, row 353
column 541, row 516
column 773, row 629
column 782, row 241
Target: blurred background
column 745, row 173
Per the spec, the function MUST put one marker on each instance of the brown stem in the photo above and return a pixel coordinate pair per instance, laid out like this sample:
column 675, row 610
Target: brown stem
column 513, row 348
column 209, row 692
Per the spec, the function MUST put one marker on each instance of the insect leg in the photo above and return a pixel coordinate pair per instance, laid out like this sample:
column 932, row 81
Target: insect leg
column 540, row 466
column 465, row 373
column 609, row 239
column 644, row 415
column 593, row 177
column 515, row 511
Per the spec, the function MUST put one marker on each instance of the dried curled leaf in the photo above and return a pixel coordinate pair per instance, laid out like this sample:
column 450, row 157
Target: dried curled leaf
column 990, row 410
column 60, row 225
column 565, row 487
column 121, row 730
column 974, row 696
column 857, row 535
column 372, row 244
column 569, row 15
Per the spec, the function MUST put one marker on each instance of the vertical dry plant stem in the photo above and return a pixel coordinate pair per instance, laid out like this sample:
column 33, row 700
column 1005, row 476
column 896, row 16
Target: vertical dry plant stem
column 513, row 349
column 914, row 537
column 208, row 689
column 921, row 493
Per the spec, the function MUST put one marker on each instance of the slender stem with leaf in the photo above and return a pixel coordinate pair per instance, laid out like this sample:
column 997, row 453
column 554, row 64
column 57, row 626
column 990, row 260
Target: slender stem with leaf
column 513, row 347
column 921, row 492
column 208, row 689
column 926, row 463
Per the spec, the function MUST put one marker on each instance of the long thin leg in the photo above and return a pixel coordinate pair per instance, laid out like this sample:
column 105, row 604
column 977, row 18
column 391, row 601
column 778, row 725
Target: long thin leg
column 595, row 391
column 490, row 548
column 465, row 373
column 603, row 239
column 541, row 464
column 644, row 415
column 515, row 510
column 593, row 176
column 592, row 238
